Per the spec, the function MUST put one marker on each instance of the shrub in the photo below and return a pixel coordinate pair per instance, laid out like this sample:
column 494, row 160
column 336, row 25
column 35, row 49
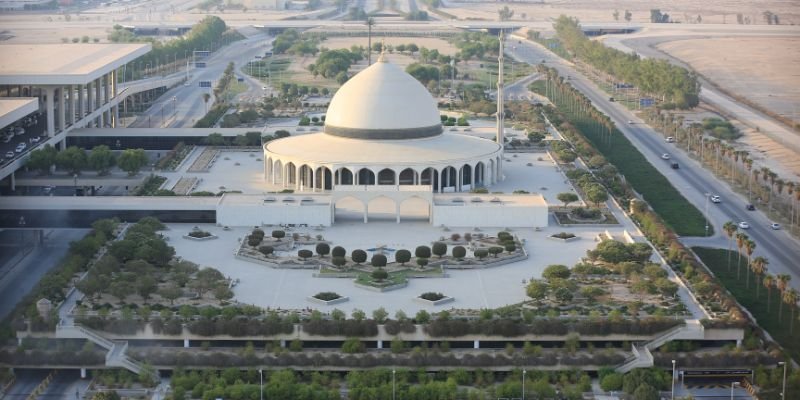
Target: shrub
column 327, row 296
column 422, row 262
column 359, row 256
column 402, row 256
column 556, row 271
column 266, row 250
column 323, row 249
column 352, row 345
column 199, row 234
column 459, row 252
column 378, row 260
column 455, row 237
column 257, row 232
column 305, row 254
column 510, row 247
column 253, row 241
column 503, row 236
column 431, row 296
column 495, row 250
column 338, row 251
column 481, row 253
column 586, row 213
column 339, row 261
column 439, row 249
column 422, row 252
column 380, row 274
column 563, row 235
column 278, row 235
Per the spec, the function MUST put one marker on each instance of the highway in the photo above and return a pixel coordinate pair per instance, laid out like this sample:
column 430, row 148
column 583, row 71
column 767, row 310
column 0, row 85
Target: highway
column 182, row 105
column 692, row 180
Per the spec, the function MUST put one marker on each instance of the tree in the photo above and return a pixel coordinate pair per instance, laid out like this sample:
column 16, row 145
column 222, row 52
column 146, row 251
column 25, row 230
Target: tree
column 132, row 160
column 338, row 251
column 790, row 297
column 223, row 292
column 439, row 249
column 170, row 293
column 323, row 249
column 206, row 98
column 567, row 198
column 146, row 286
column 628, row 15
column 422, row 317
column 101, row 159
column 510, row 247
column 615, row 14
column 505, row 13
column 42, row 159
column 563, row 295
column 481, row 253
column 556, row 271
column 730, row 229
column 536, row 290
column 339, row 261
column 596, row 194
column 459, row 252
column 358, row 256
column 646, row 392
column 305, row 254
column 278, row 235
column 73, row 159
column 495, row 250
column 422, row 262
column 266, row 250
column 402, row 256
column 378, row 260
column 380, row 315
column 612, row 381
column 120, row 290
column 422, row 252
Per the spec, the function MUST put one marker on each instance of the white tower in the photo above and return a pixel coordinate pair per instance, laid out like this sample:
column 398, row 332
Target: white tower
column 500, row 109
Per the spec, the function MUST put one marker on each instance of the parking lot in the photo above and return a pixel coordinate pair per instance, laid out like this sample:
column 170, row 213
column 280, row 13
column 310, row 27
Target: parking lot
column 30, row 135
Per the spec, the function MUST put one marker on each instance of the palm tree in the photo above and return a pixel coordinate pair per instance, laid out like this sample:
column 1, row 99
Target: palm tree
column 759, row 266
column 790, row 297
column 749, row 247
column 729, row 228
column 781, row 282
column 769, row 282
column 741, row 238
column 369, row 22
column 206, row 98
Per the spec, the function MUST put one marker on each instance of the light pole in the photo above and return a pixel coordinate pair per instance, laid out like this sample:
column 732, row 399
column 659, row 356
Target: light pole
column 733, row 385
column 783, row 387
column 393, row 384
column 261, row 385
column 673, row 380
column 22, row 224
column 523, row 383
column 707, row 222
column 75, row 184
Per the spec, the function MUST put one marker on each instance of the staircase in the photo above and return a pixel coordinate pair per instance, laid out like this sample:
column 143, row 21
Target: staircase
column 643, row 358
column 115, row 357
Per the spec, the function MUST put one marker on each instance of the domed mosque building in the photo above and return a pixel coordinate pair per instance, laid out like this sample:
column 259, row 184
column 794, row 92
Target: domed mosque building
column 383, row 128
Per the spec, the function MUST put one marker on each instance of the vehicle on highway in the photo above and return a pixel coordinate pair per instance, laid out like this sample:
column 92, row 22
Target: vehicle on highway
column 744, row 225
column 665, row 156
column 264, row 88
column 19, row 131
column 610, row 99
column 10, row 155
column 21, row 147
column 776, row 226
column 750, row 207
column 186, row 83
column 716, row 199
column 630, row 121
column 675, row 165
column 36, row 139
column 670, row 139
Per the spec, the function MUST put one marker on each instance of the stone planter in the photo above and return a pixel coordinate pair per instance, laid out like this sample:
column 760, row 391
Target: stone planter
column 327, row 302
column 382, row 288
column 200, row 239
column 558, row 239
column 443, row 300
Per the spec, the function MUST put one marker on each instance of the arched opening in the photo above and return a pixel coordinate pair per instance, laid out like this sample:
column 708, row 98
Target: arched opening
column 415, row 209
column 345, row 177
column 305, row 177
column 449, row 178
column 480, row 171
column 277, row 173
column 386, row 177
column 291, row 174
column 382, row 208
column 490, row 179
column 323, row 180
column 466, row 175
column 407, row 176
column 429, row 177
column 366, row 177
column 348, row 209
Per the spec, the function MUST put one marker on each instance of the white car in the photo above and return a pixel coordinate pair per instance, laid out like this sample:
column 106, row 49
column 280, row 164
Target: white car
column 744, row 225
column 19, row 131
column 670, row 139
column 716, row 199
column 776, row 226
column 36, row 139
column 10, row 155
column 665, row 156
column 630, row 121
column 21, row 147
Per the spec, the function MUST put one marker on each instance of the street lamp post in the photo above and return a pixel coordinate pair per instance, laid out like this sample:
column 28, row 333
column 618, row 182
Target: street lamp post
column 523, row 383
column 707, row 222
column 75, row 184
column 783, row 387
column 673, row 380
column 733, row 385
column 261, row 385
column 393, row 384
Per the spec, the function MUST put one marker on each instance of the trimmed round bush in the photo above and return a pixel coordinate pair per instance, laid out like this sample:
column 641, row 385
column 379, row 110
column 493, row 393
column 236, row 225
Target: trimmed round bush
column 422, row 262
column 495, row 250
column 422, row 252
column 278, row 235
column 510, row 247
column 338, row 251
column 266, row 250
column 481, row 253
column 431, row 296
column 258, row 232
column 253, row 241
column 402, row 256
column 379, row 274
column 323, row 249
column 439, row 249
column 339, row 261
column 503, row 236
column 378, row 260
column 459, row 252
column 359, row 256
column 305, row 254
column 327, row 296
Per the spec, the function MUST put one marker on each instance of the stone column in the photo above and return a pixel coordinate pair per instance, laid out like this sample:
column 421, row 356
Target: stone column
column 71, row 104
column 62, row 121
column 50, row 110
column 107, row 96
column 98, row 89
column 474, row 182
column 83, row 373
column 90, row 100
column 81, row 109
column 186, row 343
column 397, row 211
column 313, row 179
column 380, row 344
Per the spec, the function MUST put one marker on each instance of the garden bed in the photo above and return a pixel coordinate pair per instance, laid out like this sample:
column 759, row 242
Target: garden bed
column 564, row 218
column 327, row 298
column 563, row 237
column 433, row 299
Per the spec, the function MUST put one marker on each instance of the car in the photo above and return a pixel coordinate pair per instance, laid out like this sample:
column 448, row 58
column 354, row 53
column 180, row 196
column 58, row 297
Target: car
column 744, row 225
column 19, row 131
column 670, row 139
column 630, row 122
column 716, row 199
column 10, row 155
column 186, row 83
column 36, row 139
column 610, row 99
column 750, row 207
column 264, row 88
column 776, row 226
column 675, row 165
column 665, row 156
column 21, row 147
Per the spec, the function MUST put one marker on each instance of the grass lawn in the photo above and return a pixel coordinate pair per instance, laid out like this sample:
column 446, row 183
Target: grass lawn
column 755, row 300
column 681, row 215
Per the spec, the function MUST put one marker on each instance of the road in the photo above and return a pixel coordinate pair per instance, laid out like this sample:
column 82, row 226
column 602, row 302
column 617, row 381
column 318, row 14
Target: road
column 183, row 105
column 692, row 180
column 24, row 384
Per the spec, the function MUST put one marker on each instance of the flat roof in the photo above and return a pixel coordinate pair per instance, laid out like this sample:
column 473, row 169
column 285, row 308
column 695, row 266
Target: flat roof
column 63, row 64
column 489, row 200
column 108, row 203
column 12, row 109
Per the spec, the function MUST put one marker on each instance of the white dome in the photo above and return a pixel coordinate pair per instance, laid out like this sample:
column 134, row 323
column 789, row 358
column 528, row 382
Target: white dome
column 383, row 102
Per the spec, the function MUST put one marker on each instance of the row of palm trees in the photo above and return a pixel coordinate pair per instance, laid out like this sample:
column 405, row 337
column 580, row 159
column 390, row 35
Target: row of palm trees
column 758, row 266
column 782, row 195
